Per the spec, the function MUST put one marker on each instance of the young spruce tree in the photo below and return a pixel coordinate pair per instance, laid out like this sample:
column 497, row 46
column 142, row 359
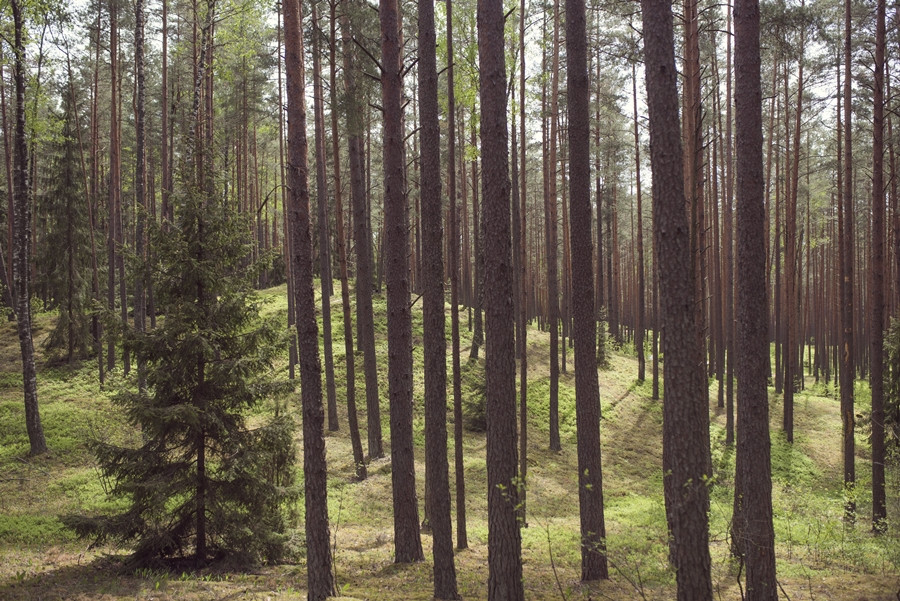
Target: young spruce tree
column 64, row 258
column 199, row 482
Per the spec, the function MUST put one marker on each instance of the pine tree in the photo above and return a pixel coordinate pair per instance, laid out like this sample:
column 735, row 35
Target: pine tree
column 200, row 482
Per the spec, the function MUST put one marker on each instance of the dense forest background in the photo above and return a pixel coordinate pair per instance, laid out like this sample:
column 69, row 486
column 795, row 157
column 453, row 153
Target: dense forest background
column 421, row 216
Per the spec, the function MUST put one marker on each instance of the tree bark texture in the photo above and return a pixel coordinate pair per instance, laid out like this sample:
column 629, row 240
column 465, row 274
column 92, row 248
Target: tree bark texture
column 686, row 451
column 758, row 538
column 587, row 390
column 407, row 541
column 504, row 538
column 437, row 490
column 320, row 577
column 22, row 244
column 877, row 298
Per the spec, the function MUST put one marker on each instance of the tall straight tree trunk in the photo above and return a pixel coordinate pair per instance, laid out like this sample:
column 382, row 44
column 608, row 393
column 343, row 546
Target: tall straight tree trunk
column 322, row 217
column 407, row 541
column 753, row 409
column 847, row 359
column 288, row 268
column 341, row 247
column 164, row 123
column 552, row 241
column 504, row 537
column 790, row 351
column 478, row 254
column 462, row 539
column 140, row 307
column 601, row 312
column 639, row 323
column 437, row 488
column 728, row 231
column 876, row 300
column 22, row 243
column 320, row 577
column 686, row 452
column 94, row 201
column 692, row 132
column 587, row 390
column 365, row 320
column 114, row 178
column 523, row 302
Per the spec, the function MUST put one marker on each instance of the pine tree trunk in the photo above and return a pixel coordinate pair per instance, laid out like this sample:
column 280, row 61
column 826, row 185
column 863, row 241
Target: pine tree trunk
column 504, row 538
column 140, row 310
column 523, row 291
column 587, row 390
column 364, row 316
column 876, row 302
column 324, row 245
column 478, row 254
column 114, row 180
column 757, row 534
column 728, row 243
column 552, row 242
column 320, row 577
column 847, row 342
column 462, row 539
column 790, row 351
column 407, row 541
column 686, row 452
column 639, row 323
column 437, row 489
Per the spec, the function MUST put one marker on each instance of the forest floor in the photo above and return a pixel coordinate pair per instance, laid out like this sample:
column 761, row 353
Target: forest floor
column 820, row 556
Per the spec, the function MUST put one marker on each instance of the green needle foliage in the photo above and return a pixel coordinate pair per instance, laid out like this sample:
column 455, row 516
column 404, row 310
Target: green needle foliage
column 63, row 256
column 202, row 484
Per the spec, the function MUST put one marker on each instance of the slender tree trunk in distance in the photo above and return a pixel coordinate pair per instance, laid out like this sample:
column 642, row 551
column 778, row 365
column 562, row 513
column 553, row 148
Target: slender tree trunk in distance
column 791, row 351
column 478, row 252
column 94, row 201
column 504, row 537
column 322, row 210
column 523, row 302
column 320, row 576
column 341, row 246
column 552, row 242
column 847, row 365
column 728, row 231
column 753, row 409
column 22, row 243
column 288, row 268
column 686, row 452
column 407, row 541
column 437, row 489
column 140, row 307
column 353, row 423
column 114, row 179
column 365, row 320
column 876, row 302
column 164, row 123
column 462, row 539
column 639, row 323
column 587, row 390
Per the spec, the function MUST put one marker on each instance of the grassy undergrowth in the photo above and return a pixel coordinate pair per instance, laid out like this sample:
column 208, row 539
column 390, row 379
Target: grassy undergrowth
column 820, row 556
